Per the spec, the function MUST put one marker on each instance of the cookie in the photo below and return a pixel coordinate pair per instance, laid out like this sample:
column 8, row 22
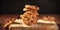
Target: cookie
column 30, row 7
column 30, row 18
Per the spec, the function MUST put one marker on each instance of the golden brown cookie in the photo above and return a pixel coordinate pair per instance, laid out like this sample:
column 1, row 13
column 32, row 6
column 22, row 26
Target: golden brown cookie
column 30, row 17
column 30, row 7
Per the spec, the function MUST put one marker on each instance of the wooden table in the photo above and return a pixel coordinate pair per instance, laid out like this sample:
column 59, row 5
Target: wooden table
column 42, row 25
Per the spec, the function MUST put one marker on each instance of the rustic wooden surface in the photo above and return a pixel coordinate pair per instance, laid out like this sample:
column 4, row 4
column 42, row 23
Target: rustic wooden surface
column 37, row 27
column 5, row 17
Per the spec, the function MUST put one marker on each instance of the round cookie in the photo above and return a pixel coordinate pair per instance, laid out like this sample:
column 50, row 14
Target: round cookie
column 30, row 18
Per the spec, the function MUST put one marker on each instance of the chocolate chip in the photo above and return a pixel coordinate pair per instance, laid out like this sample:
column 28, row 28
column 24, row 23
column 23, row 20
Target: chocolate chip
column 28, row 24
column 32, row 17
column 25, row 17
column 27, row 13
column 32, row 21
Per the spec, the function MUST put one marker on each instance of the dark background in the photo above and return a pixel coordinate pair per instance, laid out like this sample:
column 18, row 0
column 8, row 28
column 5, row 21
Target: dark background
column 16, row 6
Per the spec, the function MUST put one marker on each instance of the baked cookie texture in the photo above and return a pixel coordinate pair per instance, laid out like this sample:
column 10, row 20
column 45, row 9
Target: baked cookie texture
column 30, row 17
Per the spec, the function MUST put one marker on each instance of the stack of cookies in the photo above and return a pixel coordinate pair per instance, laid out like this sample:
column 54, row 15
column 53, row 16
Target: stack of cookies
column 31, row 15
